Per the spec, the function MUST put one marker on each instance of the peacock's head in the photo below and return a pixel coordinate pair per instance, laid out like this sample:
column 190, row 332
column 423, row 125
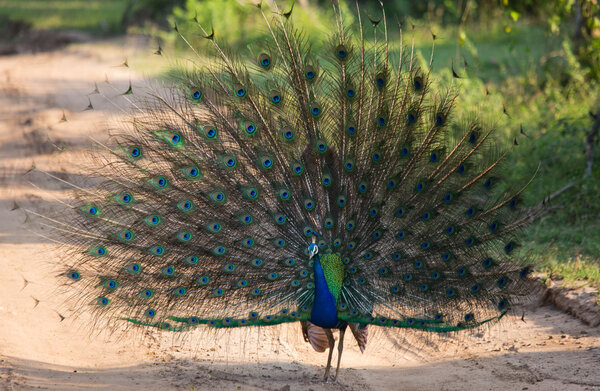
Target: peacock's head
column 313, row 249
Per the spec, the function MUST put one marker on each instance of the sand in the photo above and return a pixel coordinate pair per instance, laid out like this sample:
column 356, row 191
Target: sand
column 43, row 346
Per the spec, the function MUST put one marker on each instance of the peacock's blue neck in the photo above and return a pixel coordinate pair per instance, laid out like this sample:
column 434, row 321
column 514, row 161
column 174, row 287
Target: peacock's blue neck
column 324, row 311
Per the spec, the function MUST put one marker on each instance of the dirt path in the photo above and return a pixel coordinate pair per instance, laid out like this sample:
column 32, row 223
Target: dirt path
column 550, row 350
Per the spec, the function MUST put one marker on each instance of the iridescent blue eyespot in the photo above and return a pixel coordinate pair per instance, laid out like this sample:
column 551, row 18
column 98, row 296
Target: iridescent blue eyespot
column 321, row 146
column 92, row 211
column 494, row 226
column 412, row 117
column 288, row 133
column 103, row 301
column 211, row 132
column 133, row 268
column 267, row 162
column 256, row 262
column 99, row 251
column 218, row 196
column 418, row 83
column 264, row 60
column 196, row 94
column 315, row 110
column 284, row 194
column 309, row 204
column 363, row 186
column 246, row 219
column 241, row 92
column 272, row 276
column 473, row 137
column 148, row 293
column 218, row 292
column 185, row 206
column 440, row 119
column 168, row 270
column 502, row 304
column 135, row 152
column 297, row 168
column 280, row 219
column 502, row 282
column 351, row 129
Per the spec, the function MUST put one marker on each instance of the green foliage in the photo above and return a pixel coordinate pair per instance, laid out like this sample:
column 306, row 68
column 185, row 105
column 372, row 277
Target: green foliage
column 239, row 23
column 97, row 16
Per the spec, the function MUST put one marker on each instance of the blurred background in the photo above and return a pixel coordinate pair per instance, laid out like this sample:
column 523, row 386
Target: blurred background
column 529, row 67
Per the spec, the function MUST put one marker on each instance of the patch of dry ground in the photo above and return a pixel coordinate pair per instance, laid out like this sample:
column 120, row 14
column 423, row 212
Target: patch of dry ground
column 549, row 350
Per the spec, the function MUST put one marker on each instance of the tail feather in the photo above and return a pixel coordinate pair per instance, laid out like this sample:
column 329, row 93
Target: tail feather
column 208, row 205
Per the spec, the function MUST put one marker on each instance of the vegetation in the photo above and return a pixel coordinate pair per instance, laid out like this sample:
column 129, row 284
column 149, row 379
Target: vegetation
column 95, row 16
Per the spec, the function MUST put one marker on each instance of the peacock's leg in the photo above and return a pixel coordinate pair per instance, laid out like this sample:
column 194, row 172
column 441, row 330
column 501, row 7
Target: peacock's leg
column 331, row 345
column 340, row 349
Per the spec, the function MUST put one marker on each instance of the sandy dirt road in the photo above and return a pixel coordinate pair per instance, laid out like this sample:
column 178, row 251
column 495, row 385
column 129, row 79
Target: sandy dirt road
column 549, row 350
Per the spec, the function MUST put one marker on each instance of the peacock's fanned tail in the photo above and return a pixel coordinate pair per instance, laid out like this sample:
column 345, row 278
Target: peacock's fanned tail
column 208, row 207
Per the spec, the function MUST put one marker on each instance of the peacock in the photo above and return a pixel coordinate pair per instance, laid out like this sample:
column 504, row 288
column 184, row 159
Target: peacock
column 331, row 187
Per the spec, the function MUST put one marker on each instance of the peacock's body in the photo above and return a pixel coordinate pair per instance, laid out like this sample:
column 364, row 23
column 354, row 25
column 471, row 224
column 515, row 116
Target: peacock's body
column 329, row 187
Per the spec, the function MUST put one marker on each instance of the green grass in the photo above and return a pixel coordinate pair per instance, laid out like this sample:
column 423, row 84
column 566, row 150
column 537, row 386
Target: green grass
column 95, row 16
